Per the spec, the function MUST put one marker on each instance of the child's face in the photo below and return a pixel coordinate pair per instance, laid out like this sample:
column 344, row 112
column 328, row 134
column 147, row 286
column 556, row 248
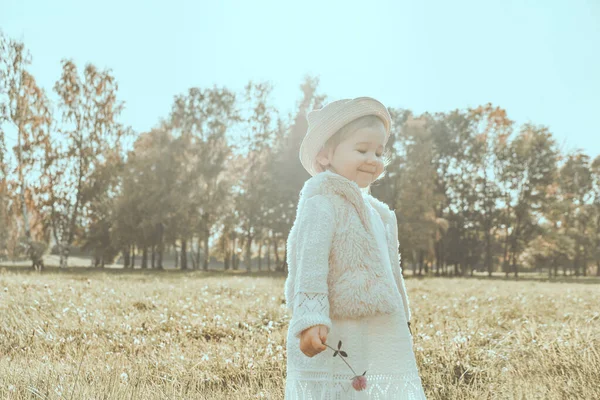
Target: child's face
column 359, row 157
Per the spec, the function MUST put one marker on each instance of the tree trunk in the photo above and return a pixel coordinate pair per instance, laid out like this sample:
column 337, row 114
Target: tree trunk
column 581, row 259
column 233, row 252
column 248, row 252
column 514, row 266
column 126, row 256
column 30, row 250
column 513, row 248
column 161, row 246
column 196, row 258
column 133, row 256
column 153, row 255
column 159, row 261
column 176, row 255
column 488, row 259
column 505, row 259
column 268, row 257
column 193, row 255
column 64, row 255
column 260, row 245
column 238, row 258
column 206, row 249
column 183, row 255
column 71, row 226
column 145, row 257
column 226, row 251
column 488, row 243
column 438, row 257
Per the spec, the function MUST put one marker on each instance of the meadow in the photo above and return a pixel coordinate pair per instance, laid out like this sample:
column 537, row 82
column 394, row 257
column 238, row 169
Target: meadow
column 212, row 335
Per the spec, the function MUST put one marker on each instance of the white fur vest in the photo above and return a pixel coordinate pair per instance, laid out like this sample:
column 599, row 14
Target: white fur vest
column 332, row 249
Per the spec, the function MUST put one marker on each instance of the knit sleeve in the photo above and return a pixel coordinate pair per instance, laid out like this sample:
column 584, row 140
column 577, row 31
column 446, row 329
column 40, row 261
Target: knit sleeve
column 316, row 226
column 398, row 272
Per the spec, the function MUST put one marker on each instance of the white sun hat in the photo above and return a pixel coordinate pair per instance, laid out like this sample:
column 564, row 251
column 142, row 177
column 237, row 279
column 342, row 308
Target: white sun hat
column 324, row 122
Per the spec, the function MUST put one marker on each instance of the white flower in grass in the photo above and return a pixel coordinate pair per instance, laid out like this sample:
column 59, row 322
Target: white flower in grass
column 459, row 339
column 124, row 377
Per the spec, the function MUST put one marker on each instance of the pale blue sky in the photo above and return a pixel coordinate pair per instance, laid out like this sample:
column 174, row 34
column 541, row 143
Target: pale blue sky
column 540, row 60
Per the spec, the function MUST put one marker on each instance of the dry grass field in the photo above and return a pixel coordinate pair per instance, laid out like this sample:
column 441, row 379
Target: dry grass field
column 173, row 335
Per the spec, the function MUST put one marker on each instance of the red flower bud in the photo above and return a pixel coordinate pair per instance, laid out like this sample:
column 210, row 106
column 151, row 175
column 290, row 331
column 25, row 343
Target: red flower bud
column 359, row 383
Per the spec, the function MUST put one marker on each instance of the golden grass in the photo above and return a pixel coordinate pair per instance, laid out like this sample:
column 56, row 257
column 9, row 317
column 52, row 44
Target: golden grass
column 106, row 335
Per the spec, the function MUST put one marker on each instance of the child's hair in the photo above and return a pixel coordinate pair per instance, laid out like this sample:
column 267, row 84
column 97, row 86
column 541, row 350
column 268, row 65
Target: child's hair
column 368, row 121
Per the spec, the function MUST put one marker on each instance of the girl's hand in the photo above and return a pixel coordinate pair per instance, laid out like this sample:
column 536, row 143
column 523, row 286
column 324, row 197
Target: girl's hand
column 312, row 340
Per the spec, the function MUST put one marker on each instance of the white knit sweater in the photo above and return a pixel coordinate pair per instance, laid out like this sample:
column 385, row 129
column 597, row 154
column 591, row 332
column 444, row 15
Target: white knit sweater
column 379, row 344
column 332, row 249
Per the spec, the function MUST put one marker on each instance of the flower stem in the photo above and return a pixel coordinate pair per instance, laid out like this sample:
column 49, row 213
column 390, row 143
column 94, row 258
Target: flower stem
column 343, row 359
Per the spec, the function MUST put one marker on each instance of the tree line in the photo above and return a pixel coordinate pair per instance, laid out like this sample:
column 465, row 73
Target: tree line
column 218, row 177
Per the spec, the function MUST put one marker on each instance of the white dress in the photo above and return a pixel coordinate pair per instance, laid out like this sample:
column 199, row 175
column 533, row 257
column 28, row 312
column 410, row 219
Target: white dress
column 381, row 345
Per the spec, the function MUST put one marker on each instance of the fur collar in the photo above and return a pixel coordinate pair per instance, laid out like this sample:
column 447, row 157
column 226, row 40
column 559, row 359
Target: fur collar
column 328, row 182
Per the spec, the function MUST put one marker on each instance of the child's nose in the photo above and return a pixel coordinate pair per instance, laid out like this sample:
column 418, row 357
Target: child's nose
column 372, row 158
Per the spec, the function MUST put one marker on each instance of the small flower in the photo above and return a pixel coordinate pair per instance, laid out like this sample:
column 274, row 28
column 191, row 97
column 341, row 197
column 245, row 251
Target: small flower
column 359, row 383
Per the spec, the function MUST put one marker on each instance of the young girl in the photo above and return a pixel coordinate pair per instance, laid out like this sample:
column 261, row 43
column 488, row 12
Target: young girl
column 345, row 287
